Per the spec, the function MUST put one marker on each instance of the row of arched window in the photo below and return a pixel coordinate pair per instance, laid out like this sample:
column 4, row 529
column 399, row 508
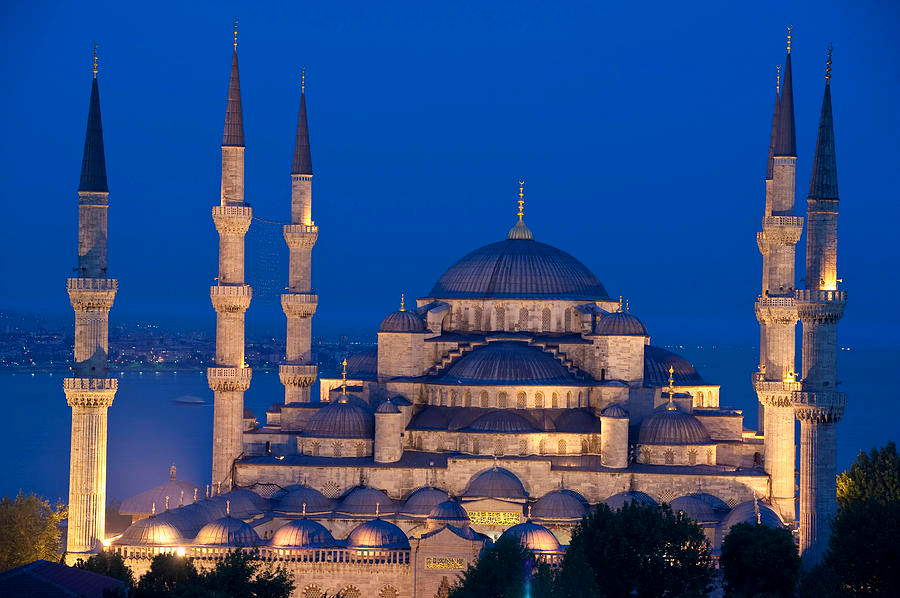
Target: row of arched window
column 337, row 448
column 502, row 318
column 502, row 399
column 500, row 447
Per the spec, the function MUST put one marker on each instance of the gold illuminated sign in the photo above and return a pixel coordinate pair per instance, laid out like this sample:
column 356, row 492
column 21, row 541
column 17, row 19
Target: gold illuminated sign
column 444, row 562
column 494, row 517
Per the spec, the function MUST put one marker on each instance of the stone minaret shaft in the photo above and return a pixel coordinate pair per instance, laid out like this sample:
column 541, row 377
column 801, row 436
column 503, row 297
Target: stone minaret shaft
column 231, row 296
column 90, row 392
column 819, row 407
column 775, row 308
column 298, row 373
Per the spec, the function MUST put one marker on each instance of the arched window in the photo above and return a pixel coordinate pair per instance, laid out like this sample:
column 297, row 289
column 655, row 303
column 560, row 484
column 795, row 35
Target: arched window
column 476, row 450
column 569, row 399
column 545, row 319
column 500, row 318
column 360, row 449
column 350, row 592
column 538, row 400
column 602, row 374
column 568, row 320
column 463, row 444
column 700, row 398
column 692, row 457
column 562, row 447
column 453, row 398
column 419, row 443
column 337, row 447
column 709, row 457
column 554, row 401
column 485, row 400
column 315, row 449
column 523, row 319
column 580, row 399
column 388, row 592
column 462, row 319
column 312, row 591
column 585, row 446
column 498, row 447
column 669, row 457
column 467, row 399
column 542, row 447
column 520, row 401
column 523, row 447
column 501, row 400
column 477, row 323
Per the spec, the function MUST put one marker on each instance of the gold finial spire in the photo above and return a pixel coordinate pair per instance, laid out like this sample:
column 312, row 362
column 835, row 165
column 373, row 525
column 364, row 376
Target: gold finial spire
column 777, row 79
column 153, row 509
column 235, row 32
column 671, row 405
column 344, row 377
column 529, row 511
column 304, row 510
column 167, row 503
column 377, row 510
column 228, row 508
column 828, row 64
column 94, row 68
column 671, row 377
column 627, row 307
column 402, row 302
column 790, row 27
column 303, row 80
column 521, row 198
column 620, row 304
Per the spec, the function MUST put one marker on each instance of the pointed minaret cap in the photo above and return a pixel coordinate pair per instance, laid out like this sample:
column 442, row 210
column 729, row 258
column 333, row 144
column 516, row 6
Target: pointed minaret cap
column 823, row 182
column 785, row 136
column 520, row 231
column 93, row 162
column 302, row 160
column 234, row 120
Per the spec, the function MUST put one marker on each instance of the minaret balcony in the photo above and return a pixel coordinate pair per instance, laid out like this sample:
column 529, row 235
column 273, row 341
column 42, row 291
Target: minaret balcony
column 776, row 310
column 90, row 392
column 819, row 406
column 299, row 305
column 820, row 307
column 231, row 298
column 762, row 243
column 820, row 296
column 302, row 236
column 303, row 375
column 92, row 294
column 229, row 379
column 783, row 230
column 232, row 220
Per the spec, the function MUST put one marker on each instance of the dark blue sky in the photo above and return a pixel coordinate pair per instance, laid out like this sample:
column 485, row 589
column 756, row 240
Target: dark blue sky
column 641, row 129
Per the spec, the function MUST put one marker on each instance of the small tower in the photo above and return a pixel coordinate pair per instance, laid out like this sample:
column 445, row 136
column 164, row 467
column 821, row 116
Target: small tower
column 818, row 404
column 401, row 344
column 388, row 433
column 614, row 437
column 299, row 372
column 775, row 309
column 90, row 392
column 231, row 295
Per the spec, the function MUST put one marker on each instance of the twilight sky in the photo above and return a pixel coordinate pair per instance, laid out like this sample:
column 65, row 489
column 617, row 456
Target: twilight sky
column 641, row 130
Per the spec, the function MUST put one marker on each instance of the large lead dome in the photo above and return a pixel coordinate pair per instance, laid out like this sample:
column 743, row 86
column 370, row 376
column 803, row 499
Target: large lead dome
column 518, row 268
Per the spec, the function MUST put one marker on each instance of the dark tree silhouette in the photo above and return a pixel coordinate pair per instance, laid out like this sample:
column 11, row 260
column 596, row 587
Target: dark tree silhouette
column 504, row 570
column 759, row 561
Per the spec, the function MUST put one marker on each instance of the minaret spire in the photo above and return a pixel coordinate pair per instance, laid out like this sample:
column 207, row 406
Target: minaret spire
column 785, row 139
column 93, row 162
column 302, row 160
column 234, row 120
column 823, row 182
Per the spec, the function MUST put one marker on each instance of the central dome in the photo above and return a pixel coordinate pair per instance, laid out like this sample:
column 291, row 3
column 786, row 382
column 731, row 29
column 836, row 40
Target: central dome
column 518, row 268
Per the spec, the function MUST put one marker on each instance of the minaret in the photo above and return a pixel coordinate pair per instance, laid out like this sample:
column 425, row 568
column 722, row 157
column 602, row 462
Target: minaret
column 818, row 405
column 298, row 373
column 775, row 309
column 231, row 295
column 90, row 392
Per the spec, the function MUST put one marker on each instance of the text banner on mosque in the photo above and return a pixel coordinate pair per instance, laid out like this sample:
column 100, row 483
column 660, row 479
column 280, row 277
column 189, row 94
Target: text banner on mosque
column 443, row 562
column 494, row 517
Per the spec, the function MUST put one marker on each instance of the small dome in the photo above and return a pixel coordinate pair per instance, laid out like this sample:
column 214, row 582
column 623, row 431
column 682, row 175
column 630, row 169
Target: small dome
column 387, row 407
column 297, row 496
column 620, row 324
column 377, row 533
column 449, row 512
column 402, row 321
column 504, row 362
column 341, row 419
column 560, row 504
column 423, row 501
column 656, row 368
column 151, row 530
column 302, row 533
column 187, row 520
column 495, row 483
column 614, row 411
column 746, row 512
column 619, row 500
column 214, row 509
column 227, row 531
column 578, row 421
column 694, row 508
column 364, row 500
column 243, row 502
column 669, row 425
column 502, row 420
column 533, row 537
column 363, row 364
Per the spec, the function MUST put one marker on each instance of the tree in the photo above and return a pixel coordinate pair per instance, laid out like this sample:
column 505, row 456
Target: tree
column 242, row 574
column 759, row 561
column 874, row 477
column 29, row 530
column 640, row 550
column 109, row 564
column 169, row 575
column 504, row 570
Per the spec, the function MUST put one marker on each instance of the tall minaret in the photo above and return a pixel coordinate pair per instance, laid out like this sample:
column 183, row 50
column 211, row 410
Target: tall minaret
column 298, row 373
column 775, row 309
column 819, row 406
column 231, row 296
column 90, row 392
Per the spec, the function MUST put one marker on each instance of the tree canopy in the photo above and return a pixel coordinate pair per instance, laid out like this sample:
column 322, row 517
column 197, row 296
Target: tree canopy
column 29, row 530
column 759, row 561
column 504, row 570
column 109, row 564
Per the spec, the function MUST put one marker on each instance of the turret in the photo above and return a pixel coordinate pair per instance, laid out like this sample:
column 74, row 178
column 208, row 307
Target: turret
column 388, row 433
column 614, row 437
column 401, row 344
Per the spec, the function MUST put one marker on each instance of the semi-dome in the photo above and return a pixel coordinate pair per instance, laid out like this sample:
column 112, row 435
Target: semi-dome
column 746, row 512
column 533, row 537
column 402, row 321
column 341, row 419
column 501, row 420
column 495, row 483
column 387, row 407
column 298, row 496
column 518, row 268
column 302, row 533
column 153, row 530
column 449, row 512
column 227, row 531
column 620, row 323
column 560, row 504
column 187, row 520
column 669, row 425
column 363, row 364
column 656, row 368
column 508, row 362
column 614, row 411
column 620, row 499
column 243, row 502
column 578, row 421
column 377, row 534
column 719, row 506
column 696, row 509
column 423, row 501
column 364, row 500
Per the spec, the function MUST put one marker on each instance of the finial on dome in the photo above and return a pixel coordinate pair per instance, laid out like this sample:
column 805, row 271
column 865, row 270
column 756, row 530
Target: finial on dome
column 521, row 198
column 495, row 463
column 777, row 79
column 304, row 510
column 94, row 68
column 627, row 306
column 302, row 80
column 402, row 302
column 671, row 376
column 344, row 377
column 153, row 509
column 167, row 503
column 520, row 231
column 377, row 510
column 181, row 500
column 172, row 473
column 670, row 406
column 790, row 27
column 228, row 508
column 195, row 494
column 235, row 32
column 828, row 64
column 620, row 304
column 529, row 512
column 207, row 491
